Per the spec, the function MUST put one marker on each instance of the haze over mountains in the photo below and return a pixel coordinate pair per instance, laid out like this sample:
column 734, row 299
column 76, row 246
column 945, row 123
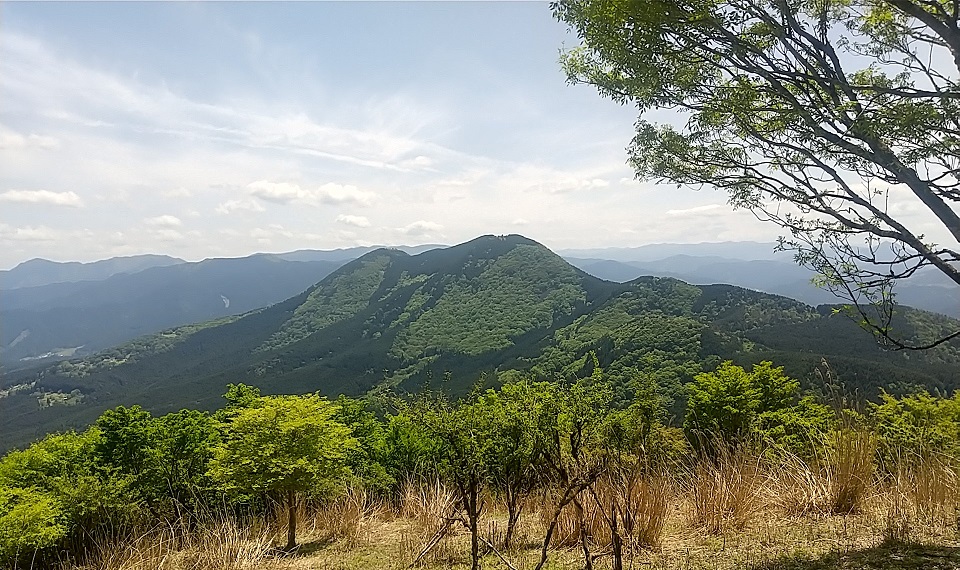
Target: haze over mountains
column 393, row 321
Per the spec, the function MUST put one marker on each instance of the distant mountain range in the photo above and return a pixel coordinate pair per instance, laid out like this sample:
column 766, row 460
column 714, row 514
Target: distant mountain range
column 51, row 310
column 491, row 308
column 37, row 272
column 928, row 290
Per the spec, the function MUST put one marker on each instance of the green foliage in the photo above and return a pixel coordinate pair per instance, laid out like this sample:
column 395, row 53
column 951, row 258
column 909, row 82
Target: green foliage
column 798, row 429
column 917, row 425
column 138, row 349
column 722, row 404
column 732, row 404
column 334, row 299
column 283, row 443
column 650, row 337
column 365, row 460
column 493, row 301
column 29, row 521
column 409, row 448
column 126, row 437
column 181, row 453
column 635, row 339
column 65, row 467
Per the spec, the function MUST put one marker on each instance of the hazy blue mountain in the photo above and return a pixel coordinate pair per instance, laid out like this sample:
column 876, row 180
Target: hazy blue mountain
column 928, row 290
column 37, row 272
column 94, row 315
column 448, row 317
column 346, row 254
column 732, row 250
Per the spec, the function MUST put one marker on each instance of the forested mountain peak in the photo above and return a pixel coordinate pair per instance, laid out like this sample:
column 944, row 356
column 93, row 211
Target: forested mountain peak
column 488, row 309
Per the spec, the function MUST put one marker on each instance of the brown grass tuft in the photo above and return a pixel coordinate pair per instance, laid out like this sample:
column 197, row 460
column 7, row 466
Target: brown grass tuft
column 725, row 491
column 850, row 465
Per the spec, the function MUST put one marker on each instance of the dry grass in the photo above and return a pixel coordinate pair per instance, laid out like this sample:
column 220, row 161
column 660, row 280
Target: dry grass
column 849, row 469
column 797, row 488
column 725, row 491
column 224, row 545
column 734, row 512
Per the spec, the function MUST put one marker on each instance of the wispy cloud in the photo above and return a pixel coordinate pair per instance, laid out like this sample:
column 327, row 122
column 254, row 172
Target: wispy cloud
column 357, row 221
column 28, row 233
column 244, row 205
column 12, row 140
column 164, row 221
column 329, row 193
column 46, row 197
column 420, row 228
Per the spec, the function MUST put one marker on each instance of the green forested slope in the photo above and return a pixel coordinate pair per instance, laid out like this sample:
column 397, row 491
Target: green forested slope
column 495, row 306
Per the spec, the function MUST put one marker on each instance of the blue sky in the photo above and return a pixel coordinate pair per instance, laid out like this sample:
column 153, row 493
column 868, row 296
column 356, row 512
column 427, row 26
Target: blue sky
column 221, row 129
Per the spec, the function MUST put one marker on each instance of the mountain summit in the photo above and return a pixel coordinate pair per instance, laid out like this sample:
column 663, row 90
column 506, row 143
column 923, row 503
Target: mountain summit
column 390, row 320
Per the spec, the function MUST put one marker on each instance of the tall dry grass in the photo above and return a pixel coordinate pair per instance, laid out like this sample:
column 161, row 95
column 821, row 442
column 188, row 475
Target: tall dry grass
column 919, row 492
column 641, row 502
column 849, row 469
column 346, row 518
column 725, row 490
column 219, row 545
column 429, row 507
column 797, row 488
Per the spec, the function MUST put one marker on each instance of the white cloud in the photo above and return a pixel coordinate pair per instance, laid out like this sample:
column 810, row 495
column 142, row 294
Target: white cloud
column 180, row 192
column 520, row 222
column 694, row 210
column 42, row 197
column 329, row 194
column 10, row 140
column 246, row 205
column 420, row 228
column 167, row 234
column 164, row 221
column 358, row 221
column 28, row 233
column 419, row 162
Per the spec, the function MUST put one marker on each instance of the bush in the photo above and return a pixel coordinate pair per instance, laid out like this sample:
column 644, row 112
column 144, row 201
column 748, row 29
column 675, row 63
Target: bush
column 29, row 521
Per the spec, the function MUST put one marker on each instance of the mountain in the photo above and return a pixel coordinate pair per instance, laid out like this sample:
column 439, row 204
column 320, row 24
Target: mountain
column 349, row 253
column 37, row 272
column 76, row 309
column 448, row 317
column 61, row 319
column 928, row 290
column 746, row 250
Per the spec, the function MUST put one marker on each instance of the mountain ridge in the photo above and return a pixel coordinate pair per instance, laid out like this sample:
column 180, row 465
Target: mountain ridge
column 494, row 306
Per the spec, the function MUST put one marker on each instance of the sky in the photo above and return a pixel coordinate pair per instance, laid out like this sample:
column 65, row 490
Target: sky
column 222, row 129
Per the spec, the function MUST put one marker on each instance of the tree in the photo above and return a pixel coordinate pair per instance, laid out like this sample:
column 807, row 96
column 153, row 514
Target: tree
column 468, row 449
column 520, row 414
column 828, row 118
column 574, row 448
column 283, row 445
column 721, row 404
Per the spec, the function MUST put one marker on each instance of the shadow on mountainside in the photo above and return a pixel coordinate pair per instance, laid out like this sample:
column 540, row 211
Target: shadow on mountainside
column 886, row 556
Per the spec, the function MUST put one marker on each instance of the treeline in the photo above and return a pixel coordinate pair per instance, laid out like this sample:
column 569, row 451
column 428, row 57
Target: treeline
column 260, row 454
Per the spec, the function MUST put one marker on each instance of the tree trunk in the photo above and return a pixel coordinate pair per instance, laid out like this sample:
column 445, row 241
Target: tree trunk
column 568, row 494
column 513, row 516
column 291, row 520
column 615, row 538
column 473, row 516
column 587, row 559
